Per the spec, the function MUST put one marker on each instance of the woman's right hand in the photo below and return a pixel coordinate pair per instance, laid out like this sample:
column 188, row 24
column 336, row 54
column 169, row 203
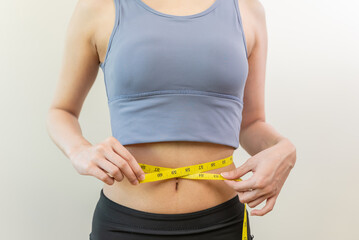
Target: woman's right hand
column 104, row 158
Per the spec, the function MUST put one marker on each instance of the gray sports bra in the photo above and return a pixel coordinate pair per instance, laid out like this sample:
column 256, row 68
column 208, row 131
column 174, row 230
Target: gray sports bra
column 176, row 78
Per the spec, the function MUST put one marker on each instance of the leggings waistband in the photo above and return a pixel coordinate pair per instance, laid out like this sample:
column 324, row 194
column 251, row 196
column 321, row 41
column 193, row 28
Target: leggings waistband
column 130, row 219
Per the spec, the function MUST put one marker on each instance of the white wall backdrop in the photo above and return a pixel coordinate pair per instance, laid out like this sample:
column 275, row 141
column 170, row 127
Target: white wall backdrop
column 312, row 86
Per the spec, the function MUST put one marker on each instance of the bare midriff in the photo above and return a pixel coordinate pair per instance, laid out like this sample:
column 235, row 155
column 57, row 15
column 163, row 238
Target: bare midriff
column 175, row 195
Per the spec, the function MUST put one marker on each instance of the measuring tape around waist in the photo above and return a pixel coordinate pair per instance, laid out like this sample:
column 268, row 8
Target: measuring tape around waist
column 156, row 173
column 195, row 172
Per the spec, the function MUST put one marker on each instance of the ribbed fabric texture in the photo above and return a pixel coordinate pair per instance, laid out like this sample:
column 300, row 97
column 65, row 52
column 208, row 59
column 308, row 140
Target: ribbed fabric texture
column 176, row 78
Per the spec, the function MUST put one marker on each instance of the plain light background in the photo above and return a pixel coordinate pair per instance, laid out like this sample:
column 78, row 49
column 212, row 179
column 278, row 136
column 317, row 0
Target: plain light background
column 312, row 85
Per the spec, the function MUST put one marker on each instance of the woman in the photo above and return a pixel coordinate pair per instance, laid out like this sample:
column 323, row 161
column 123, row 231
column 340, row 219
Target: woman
column 185, row 86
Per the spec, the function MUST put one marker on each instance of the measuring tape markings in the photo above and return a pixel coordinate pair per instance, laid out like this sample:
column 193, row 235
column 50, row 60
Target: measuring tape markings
column 244, row 231
column 156, row 173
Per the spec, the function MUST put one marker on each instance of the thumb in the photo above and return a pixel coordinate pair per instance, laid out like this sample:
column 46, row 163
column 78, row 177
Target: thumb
column 238, row 172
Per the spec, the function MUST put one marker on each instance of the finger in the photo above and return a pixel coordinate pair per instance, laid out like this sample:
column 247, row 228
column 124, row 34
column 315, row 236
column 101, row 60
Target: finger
column 127, row 171
column 242, row 186
column 267, row 208
column 238, row 172
column 125, row 154
column 118, row 161
column 240, row 194
column 250, row 196
column 123, row 168
column 109, row 167
column 257, row 201
column 101, row 175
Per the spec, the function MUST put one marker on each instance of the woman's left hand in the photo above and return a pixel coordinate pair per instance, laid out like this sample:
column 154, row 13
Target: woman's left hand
column 270, row 168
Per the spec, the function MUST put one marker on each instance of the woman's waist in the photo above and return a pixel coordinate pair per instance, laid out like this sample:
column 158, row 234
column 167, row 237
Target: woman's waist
column 174, row 195
column 169, row 196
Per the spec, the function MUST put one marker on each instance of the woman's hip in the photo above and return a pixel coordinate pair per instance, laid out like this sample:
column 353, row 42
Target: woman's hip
column 115, row 221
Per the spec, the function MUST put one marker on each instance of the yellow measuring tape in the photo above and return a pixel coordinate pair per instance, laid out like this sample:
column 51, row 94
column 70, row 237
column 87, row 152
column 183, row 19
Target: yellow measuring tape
column 156, row 173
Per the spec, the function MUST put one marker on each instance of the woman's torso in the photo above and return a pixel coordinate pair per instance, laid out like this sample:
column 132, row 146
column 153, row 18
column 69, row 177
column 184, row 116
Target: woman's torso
column 171, row 195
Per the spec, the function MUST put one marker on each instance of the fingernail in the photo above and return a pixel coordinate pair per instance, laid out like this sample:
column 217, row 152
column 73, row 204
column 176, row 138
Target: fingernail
column 142, row 177
column 135, row 182
column 225, row 174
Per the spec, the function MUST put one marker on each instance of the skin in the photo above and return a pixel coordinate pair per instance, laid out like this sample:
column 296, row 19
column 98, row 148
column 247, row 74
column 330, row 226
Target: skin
column 116, row 165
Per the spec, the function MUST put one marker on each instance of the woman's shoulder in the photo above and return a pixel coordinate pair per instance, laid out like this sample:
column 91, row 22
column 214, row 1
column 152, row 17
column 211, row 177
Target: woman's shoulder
column 88, row 15
column 255, row 7
column 254, row 22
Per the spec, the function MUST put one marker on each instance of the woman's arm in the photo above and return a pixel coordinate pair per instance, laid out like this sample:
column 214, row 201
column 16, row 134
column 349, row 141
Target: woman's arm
column 79, row 70
column 77, row 75
column 256, row 134
column 273, row 156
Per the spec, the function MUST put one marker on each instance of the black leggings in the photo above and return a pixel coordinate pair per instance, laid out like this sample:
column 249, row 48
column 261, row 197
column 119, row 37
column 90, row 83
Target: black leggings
column 113, row 221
